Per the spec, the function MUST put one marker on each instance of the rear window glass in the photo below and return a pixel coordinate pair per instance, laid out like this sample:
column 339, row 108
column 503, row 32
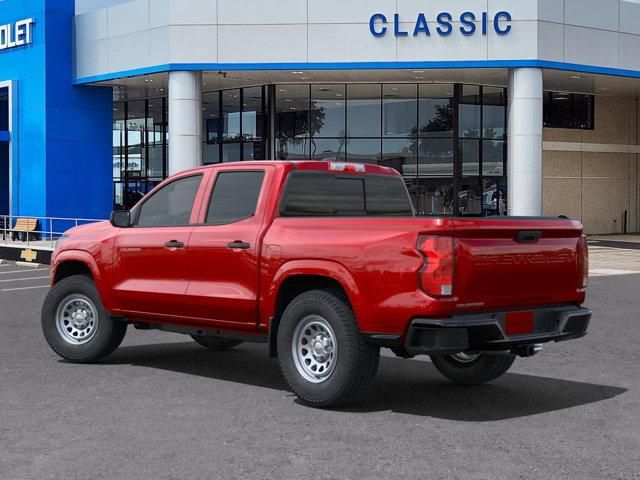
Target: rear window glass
column 329, row 195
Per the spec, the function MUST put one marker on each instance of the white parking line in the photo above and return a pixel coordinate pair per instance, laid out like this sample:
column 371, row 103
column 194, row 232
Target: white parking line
column 22, row 279
column 26, row 270
column 22, row 288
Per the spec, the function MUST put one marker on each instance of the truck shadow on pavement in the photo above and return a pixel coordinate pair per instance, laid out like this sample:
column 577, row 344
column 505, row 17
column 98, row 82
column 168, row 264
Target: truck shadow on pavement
column 403, row 386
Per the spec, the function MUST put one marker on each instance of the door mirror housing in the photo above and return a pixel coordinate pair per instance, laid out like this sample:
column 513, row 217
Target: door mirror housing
column 120, row 218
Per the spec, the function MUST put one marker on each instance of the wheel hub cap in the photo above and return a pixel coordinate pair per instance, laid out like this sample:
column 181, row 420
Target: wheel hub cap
column 76, row 319
column 314, row 349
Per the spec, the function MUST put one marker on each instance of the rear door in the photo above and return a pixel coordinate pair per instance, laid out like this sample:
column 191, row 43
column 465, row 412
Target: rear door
column 150, row 267
column 224, row 248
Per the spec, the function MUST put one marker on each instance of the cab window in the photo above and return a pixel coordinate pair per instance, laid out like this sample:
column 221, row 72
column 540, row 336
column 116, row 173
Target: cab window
column 171, row 205
column 234, row 197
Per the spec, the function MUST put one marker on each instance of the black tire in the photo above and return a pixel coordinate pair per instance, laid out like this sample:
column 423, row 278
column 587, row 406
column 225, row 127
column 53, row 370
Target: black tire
column 481, row 370
column 356, row 361
column 216, row 343
column 108, row 333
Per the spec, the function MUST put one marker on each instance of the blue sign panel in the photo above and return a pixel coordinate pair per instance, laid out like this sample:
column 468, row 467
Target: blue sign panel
column 381, row 25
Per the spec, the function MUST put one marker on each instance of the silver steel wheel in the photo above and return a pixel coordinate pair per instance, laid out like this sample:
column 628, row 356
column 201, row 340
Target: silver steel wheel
column 465, row 357
column 314, row 349
column 76, row 319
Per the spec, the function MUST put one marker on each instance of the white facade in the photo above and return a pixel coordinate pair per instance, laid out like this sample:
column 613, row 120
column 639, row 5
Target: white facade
column 141, row 34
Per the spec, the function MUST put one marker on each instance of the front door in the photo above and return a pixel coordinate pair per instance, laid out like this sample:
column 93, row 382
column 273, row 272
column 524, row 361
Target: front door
column 224, row 249
column 150, row 259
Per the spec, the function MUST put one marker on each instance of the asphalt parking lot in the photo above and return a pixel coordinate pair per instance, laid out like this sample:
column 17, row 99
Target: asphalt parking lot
column 162, row 407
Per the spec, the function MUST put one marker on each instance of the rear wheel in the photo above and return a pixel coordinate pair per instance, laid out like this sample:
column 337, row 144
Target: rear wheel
column 322, row 354
column 216, row 343
column 472, row 368
column 75, row 323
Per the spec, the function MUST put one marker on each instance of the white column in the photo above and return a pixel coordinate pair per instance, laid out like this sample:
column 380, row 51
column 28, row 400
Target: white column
column 185, row 121
column 525, row 142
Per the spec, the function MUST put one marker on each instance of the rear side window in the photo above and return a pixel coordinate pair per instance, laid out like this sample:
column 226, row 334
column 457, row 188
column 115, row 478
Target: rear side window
column 329, row 195
column 234, row 197
column 171, row 205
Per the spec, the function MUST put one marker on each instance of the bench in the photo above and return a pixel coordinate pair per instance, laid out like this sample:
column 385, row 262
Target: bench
column 25, row 229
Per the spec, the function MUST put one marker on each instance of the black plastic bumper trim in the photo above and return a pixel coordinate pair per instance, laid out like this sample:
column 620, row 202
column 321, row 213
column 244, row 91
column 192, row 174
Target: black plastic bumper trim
column 486, row 332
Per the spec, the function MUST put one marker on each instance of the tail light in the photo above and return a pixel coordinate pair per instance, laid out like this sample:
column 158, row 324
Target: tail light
column 436, row 276
column 347, row 167
column 583, row 261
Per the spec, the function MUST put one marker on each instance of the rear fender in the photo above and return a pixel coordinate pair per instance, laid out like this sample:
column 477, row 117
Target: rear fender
column 322, row 268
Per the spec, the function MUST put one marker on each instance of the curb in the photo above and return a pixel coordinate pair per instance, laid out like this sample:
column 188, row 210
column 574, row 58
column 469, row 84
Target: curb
column 29, row 264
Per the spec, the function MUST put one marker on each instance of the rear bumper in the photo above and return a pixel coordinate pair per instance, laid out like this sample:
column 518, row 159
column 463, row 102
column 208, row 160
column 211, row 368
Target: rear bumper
column 486, row 332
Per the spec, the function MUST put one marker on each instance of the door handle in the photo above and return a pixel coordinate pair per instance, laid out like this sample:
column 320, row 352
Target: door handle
column 174, row 244
column 239, row 244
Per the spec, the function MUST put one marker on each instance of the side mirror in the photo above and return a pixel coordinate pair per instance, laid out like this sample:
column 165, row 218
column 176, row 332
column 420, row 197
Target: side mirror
column 120, row 218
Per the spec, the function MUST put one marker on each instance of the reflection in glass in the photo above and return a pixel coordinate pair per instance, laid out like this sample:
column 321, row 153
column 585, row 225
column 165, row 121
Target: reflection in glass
column 435, row 157
column 432, row 196
column 494, row 197
column 328, row 149
column 469, row 121
column 328, row 108
column 470, row 198
column 470, row 94
column 292, row 149
column 399, row 110
column 400, row 155
column 231, row 114
column 118, row 141
column 493, row 122
column 230, row 152
column 156, row 127
column 492, row 157
column 292, row 111
column 364, row 110
column 211, row 115
column 436, row 110
column 136, row 152
column 363, row 150
column 211, row 153
column 470, row 156
column 253, row 118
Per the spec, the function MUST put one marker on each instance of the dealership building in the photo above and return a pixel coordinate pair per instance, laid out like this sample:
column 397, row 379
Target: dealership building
column 486, row 107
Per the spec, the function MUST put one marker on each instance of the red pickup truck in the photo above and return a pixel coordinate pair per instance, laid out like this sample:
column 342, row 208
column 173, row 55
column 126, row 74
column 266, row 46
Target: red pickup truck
column 326, row 263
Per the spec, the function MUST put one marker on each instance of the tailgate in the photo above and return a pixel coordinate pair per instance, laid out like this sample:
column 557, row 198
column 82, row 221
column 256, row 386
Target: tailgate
column 513, row 263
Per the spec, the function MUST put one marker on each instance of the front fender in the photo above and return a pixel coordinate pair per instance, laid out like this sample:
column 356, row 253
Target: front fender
column 98, row 275
column 323, row 268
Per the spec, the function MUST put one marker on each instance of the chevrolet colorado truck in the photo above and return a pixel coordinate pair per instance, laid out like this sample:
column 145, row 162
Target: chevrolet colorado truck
column 326, row 263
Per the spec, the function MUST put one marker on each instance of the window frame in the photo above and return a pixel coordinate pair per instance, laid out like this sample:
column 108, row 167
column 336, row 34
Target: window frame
column 137, row 210
column 209, row 197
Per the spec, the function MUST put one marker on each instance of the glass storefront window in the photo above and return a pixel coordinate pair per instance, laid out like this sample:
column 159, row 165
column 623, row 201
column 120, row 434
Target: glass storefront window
column 435, row 157
column 470, row 156
column 329, row 149
column 470, row 197
column 492, row 157
column 399, row 110
column 363, row 150
column 432, row 196
column 231, row 115
column 400, row 155
column 292, row 111
column 328, row 111
column 211, row 114
column 364, row 110
column 156, row 126
column 253, row 113
column 118, row 141
column 436, row 110
column 136, row 151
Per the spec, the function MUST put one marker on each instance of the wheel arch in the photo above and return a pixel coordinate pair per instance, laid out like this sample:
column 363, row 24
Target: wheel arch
column 298, row 277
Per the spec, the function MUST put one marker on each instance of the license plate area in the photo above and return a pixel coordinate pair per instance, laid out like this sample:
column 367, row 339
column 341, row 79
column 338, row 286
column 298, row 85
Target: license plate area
column 518, row 323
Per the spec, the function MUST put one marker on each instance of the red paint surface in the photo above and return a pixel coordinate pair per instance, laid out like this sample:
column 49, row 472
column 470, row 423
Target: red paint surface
column 376, row 260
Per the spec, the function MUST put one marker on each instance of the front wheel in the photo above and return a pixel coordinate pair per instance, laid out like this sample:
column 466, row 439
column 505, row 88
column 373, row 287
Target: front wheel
column 472, row 368
column 75, row 323
column 323, row 357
